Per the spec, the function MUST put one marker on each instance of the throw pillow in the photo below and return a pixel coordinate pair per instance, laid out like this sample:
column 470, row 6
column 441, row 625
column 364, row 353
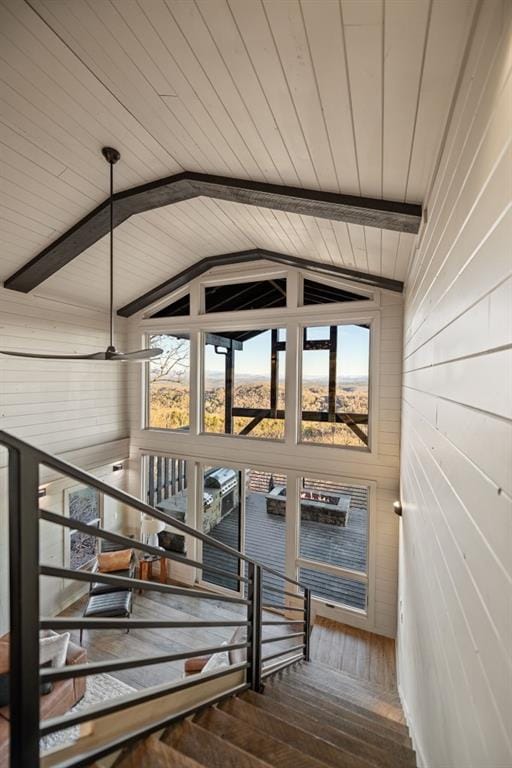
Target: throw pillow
column 54, row 648
column 114, row 561
column 216, row 662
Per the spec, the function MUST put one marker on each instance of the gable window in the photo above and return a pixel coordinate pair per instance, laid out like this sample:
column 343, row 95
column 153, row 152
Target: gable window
column 335, row 385
column 244, row 388
column 177, row 308
column 169, row 383
column 323, row 293
column 257, row 294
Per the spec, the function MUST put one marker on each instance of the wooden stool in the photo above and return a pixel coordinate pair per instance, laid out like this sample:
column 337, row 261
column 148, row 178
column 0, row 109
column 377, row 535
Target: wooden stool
column 146, row 569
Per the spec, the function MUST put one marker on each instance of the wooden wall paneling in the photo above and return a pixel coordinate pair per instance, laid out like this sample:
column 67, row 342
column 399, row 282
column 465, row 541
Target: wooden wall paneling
column 455, row 667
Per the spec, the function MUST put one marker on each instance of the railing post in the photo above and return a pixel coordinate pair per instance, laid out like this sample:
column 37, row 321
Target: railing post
column 254, row 618
column 307, row 623
column 24, row 608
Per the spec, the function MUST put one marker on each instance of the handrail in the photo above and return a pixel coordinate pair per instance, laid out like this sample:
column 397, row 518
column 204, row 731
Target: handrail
column 64, row 467
column 25, row 571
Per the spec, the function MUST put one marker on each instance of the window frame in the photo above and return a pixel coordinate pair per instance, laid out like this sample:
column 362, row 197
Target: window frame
column 196, row 464
column 201, row 391
column 146, row 389
column 373, row 327
column 293, row 318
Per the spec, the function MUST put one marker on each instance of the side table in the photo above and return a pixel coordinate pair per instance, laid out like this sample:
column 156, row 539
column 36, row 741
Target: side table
column 146, row 569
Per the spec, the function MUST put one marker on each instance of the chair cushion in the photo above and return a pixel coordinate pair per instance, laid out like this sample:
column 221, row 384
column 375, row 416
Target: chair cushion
column 114, row 561
column 109, row 604
column 97, row 588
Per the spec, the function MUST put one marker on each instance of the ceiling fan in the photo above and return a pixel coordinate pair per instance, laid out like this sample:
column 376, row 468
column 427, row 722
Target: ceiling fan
column 141, row 355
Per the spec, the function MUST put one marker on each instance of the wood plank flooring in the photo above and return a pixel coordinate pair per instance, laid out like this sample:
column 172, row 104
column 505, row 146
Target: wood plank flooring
column 364, row 655
column 104, row 645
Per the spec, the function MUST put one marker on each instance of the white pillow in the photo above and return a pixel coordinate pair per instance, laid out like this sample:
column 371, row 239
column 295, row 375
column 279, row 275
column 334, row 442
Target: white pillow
column 53, row 647
column 216, row 662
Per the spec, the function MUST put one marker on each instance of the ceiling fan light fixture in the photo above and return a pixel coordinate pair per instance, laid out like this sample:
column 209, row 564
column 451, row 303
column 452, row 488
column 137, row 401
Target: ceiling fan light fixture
column 112, row 156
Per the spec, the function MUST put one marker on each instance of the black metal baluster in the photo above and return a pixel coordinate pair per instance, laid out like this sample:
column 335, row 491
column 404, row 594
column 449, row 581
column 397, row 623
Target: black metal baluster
column 254, row 616
column 307, row 623
column 24, row 608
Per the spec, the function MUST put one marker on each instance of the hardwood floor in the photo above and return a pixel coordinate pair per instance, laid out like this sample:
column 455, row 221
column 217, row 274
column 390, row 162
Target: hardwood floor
column 366, row 656
column 367, row 659
column 363, row 656
column 103, row 645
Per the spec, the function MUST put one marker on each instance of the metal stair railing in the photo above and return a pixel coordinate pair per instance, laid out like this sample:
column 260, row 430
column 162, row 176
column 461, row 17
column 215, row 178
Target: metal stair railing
column 24, row 461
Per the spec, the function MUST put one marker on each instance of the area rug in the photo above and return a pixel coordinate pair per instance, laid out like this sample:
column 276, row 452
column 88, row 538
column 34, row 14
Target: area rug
column 99, row 688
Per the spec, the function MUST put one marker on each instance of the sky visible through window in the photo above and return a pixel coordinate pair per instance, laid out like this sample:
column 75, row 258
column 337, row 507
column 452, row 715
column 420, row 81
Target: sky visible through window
column 254, row 359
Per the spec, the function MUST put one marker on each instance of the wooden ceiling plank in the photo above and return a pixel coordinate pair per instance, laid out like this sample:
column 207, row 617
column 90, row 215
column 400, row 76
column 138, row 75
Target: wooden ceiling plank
column 221, row 24
column 405, row 34
column 94, row 41
column 324, row 31
column 358, row 242
column 373, row 244
column 260, row 44
column 212, row 75
column 448, row 33
column 390, row 242
column 364, row 59
column 288, row 31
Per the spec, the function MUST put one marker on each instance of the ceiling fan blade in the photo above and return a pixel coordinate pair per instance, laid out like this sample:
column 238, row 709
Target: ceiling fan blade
column 140, row 355
column 41, row 356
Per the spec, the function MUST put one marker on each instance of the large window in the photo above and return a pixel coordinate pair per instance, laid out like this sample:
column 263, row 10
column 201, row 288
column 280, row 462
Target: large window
column 334, row 540
column 222, row 520
column 169, row 383
column 167, row 489
column 84, row 505
column 335, row 385
column 244, row 390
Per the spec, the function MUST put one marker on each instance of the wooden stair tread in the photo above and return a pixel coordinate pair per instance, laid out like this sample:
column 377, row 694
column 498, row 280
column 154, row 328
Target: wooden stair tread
column 153, row 753
column 280, row 729
column 337, row 676
column 208, row 749
column 388, row 709
column 377, row 756
column 257, row 742
column 370, row 685
column 324, row 715
column 344, row 708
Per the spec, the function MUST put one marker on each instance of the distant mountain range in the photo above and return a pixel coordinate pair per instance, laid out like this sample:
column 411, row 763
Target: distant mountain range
column 217, row 380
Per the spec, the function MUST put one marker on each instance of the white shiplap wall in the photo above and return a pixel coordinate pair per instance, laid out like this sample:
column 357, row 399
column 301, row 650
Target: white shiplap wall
column 77, row 410
column 455, row 592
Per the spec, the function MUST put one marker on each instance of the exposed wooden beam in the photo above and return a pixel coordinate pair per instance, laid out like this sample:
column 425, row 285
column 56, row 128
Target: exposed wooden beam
column 370, row 212
column 255, row 254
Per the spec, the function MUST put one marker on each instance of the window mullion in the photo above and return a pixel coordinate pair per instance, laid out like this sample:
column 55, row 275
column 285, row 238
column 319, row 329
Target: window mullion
column 195, row 382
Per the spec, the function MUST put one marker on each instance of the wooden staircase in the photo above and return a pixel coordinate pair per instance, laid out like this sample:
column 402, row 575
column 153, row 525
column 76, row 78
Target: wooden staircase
column 309, row 716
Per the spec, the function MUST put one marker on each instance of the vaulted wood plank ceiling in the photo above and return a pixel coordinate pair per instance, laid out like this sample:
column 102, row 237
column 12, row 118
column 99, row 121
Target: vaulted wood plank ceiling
column 349, row 96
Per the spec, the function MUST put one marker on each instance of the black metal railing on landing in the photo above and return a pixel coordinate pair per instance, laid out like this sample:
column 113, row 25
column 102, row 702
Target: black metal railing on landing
column 26, row 729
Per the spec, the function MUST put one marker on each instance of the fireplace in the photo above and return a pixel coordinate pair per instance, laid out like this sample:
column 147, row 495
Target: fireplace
column 320, row 506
